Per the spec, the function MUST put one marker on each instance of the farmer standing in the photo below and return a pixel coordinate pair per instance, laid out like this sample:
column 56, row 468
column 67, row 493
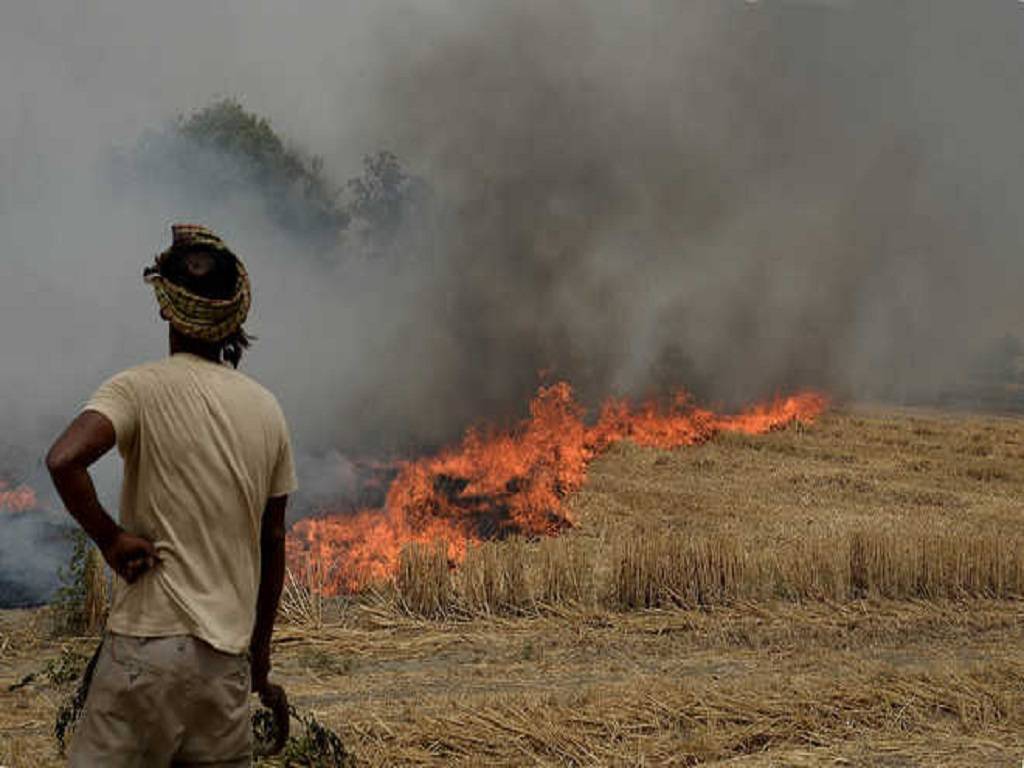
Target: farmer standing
column 199, row 552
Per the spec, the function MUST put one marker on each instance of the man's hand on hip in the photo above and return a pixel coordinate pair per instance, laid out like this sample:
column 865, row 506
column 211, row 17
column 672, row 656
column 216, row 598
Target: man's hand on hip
column 130, row 556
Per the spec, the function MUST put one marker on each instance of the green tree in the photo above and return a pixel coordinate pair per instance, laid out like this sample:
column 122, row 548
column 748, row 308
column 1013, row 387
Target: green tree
column 223, row 152
column 384, row 196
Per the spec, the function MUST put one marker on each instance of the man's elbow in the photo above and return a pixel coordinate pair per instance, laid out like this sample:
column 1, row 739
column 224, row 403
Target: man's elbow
column 59, row 460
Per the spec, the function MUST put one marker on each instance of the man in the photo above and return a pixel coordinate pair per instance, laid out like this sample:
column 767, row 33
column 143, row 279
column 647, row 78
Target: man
column 199, row 552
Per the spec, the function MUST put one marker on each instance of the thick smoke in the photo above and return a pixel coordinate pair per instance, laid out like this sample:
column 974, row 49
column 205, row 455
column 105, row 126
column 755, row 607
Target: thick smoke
column 736, row 197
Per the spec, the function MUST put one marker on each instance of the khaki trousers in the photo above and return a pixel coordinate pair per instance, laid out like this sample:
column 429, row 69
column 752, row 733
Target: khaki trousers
column 156, row 702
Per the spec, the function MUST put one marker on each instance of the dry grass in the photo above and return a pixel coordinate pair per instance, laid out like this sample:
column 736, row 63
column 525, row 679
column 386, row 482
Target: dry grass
column 424, row 582
column 847, row 594
column 681, row 688
column 702, row 571
column 496, row 578
column 302, row 600
column 565, row 573
column 652, row 569
column 658, row 722
column 512, row 577
column 95, row 605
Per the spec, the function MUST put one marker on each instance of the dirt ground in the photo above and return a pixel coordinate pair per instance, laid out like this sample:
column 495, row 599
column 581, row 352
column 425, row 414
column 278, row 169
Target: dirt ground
column 872, row 682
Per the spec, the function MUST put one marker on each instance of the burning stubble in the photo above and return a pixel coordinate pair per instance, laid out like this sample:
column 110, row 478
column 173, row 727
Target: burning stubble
column 503, row 484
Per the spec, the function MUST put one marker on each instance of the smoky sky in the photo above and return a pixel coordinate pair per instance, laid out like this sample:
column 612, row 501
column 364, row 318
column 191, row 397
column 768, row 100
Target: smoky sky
column 734, row 197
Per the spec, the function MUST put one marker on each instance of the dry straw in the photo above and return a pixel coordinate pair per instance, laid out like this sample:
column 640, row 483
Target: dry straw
column 494, row 579
column 654, row 569
column 94, row 608
column 512, row 577
column 565, row 572
column 653, row 721
column 302, row 600
column 701, row 571
column 424, row 582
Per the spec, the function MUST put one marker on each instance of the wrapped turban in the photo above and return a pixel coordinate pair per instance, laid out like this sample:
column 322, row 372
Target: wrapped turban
column 195, row 316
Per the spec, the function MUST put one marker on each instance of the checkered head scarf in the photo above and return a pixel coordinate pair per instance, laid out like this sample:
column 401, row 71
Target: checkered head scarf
column 195, row 316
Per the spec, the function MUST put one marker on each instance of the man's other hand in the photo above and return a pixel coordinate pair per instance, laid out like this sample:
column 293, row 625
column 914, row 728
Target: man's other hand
column 130, row 556
column 274, row 698
column 271, row 696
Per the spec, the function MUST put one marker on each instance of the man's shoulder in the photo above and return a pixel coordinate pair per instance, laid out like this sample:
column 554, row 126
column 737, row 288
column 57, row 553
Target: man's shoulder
column 259, row 389
column 255, row 390
column 173, row 371
column 152, row 370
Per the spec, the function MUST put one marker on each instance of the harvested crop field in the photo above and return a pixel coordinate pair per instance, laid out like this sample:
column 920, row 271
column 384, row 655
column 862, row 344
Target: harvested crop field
column 847, row 593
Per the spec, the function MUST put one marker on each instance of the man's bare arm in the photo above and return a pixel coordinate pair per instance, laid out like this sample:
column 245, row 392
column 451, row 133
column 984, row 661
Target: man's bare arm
column 272, row 564
column 83, row 443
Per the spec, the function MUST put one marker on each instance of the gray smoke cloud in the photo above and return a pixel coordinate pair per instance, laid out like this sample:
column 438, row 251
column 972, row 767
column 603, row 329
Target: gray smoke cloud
column 735, row 197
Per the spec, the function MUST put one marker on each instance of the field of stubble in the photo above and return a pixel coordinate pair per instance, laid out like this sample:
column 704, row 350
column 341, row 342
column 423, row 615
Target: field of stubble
column 857, row 603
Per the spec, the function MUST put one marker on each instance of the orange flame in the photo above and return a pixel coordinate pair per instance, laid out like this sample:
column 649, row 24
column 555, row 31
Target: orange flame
column 20, row 499
column 495, row 484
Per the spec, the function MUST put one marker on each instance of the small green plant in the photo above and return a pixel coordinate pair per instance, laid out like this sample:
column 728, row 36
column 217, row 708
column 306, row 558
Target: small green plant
column 325, row 663
column 70, row 711
column 80, row 604
column 62, row 670
column 65, row 668
column 529, row 652
column 317, row 747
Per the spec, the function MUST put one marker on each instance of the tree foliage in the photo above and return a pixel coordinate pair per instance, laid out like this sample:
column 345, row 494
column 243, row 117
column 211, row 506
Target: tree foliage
column 382, row 194
column 298, row 194
column 223, row 155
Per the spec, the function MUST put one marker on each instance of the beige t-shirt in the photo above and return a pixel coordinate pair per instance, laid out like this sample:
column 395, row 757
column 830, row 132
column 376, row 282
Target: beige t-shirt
column 204, row 447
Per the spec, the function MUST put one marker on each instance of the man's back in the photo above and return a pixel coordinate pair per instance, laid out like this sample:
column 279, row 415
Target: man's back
column 199, row 551
column 204, row 447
